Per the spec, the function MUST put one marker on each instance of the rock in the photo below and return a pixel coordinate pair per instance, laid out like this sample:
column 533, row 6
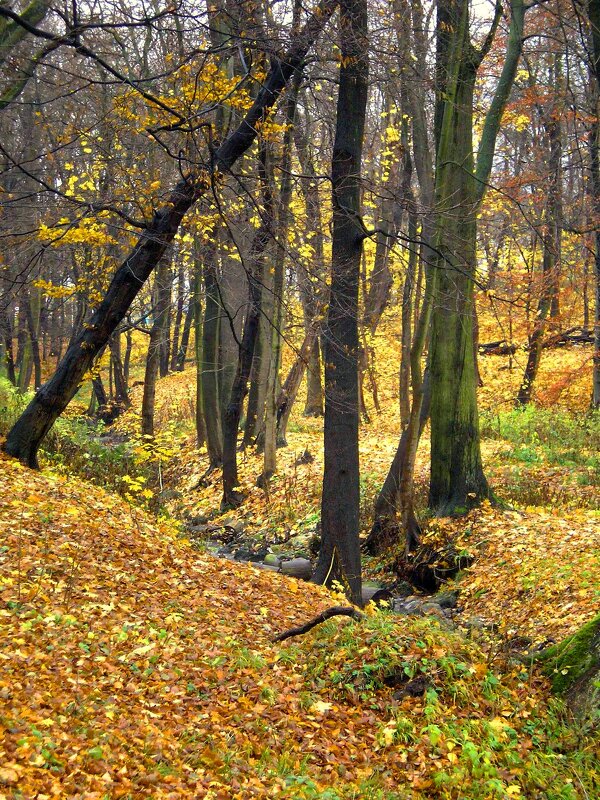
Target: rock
column 414, row 688
column 199, row 519
column 446, row 599
column 480, row 624
column 305, row 458
column 169, row 494
column 239, row 526
column 298, row 568
column 259, row 555
column 272, row 560
column 245, row 554
column 412, row 608
column 432, row 610
column 376, row 594
column 262, row 565
column 401, row 589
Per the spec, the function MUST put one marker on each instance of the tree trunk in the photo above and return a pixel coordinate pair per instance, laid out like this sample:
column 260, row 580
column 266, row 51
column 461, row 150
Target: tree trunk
column 233, row 411
column 339, row 555
column 291, row 385
column 121, row 389
column 185, row 338
column 7, row 340
column 285, row 198
column 210, row 357
column 165, row 340
column 178, row 317
column 457, row 478
column 196, row 303
column 310, row 297
column 50, row 401
column 162, row 298
column 548, row 304
column 594, row 17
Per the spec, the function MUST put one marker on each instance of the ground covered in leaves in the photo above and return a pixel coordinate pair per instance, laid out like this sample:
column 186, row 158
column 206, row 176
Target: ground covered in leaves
column 133, row 666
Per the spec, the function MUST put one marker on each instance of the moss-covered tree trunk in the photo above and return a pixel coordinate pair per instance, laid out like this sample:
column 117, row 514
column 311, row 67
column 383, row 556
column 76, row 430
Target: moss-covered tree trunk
column 457, row 478
column 573, row 667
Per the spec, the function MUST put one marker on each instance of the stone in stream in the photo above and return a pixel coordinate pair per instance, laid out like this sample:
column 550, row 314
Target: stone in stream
column 297, row 568
column 446, row 599
column 376, row 594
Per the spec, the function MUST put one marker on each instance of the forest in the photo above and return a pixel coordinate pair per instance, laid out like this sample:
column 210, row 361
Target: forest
column 300, row 399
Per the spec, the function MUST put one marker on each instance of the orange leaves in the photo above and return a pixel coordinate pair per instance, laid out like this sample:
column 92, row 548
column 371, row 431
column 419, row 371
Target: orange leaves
column 537, row 572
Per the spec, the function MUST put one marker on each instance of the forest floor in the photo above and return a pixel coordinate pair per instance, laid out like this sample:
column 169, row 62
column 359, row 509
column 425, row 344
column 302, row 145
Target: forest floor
column 134, row 664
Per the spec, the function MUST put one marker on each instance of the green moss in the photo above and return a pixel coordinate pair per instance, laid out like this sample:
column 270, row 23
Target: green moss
column 572, row 659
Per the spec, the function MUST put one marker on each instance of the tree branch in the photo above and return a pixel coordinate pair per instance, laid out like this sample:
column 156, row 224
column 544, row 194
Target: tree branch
column 334, row 611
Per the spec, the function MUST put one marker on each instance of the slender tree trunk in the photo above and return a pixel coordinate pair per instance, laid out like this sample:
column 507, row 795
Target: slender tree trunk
column 339, row 555
column 196, row 302
column 285, row 198
column 210, row 357
column 165, row 341
column 291, row 385
column 548, row 304
column 233, row 411
column 178, row 317
column 310, row 296
column 33, row 304
column 7, row 340
column 595, row 169
column 162, row 297
column 185, row 338
column 255, row 411
column 121, row 389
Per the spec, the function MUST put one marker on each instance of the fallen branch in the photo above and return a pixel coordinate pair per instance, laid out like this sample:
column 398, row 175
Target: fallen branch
column 500, row 348
column 570, row 336
column 334, row 611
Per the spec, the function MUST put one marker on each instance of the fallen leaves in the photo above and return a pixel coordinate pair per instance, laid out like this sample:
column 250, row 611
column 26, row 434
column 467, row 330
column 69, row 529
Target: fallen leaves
column 133, row 666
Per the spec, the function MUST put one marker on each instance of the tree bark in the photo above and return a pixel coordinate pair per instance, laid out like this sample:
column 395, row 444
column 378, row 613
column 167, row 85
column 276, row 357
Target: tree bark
column 162, row 297
column 339, row 555
column 548, row 305
column 457, row 477
column 594, row 18
column 210, row 357
column 233, row 411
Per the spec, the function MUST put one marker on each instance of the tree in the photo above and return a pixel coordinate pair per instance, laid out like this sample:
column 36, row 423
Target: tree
column 25, row 437
column 457, row 478
column 339, row 554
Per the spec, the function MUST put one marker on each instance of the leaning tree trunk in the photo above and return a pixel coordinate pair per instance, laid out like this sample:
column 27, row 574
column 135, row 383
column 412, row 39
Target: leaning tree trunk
column 291, row 385
column 339, row 555
column 26, row 435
